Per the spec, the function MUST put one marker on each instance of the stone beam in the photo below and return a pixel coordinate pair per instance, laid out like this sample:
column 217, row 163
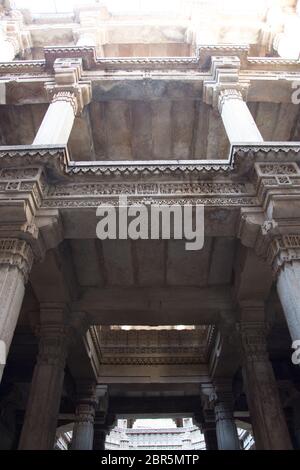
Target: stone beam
column 153, row 306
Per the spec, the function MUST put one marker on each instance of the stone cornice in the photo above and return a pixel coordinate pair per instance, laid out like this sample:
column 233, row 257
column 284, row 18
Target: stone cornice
column 239, row 163
column 253, row 175
column 199, row 62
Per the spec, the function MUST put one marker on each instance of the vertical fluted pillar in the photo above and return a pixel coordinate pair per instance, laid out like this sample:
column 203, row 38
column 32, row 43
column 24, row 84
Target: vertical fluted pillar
column 16, row 259
column 210, row 436
column 226, row 430
column 268, row 420
column 237, row 119
column 58, row 121
column 284, row 257
column 83, row 432
column 42, row 409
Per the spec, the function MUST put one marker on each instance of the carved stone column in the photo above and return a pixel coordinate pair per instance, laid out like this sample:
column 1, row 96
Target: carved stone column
column 83, row 433
column 287, row 43
column 225, row 92
column 103, row 422
column 68, row 96
column 210, row 436
column 58, row 121
column 40, row 422
column 237, row 119
column 268, row 421
column 284, row 255
column 226, row 430
column 16, row 259
column 100, row 432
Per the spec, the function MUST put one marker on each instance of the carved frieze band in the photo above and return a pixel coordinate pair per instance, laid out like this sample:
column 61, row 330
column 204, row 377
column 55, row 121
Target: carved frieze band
column 16, row 253
column 157, row 193
column 275, row 176
column 152, row 360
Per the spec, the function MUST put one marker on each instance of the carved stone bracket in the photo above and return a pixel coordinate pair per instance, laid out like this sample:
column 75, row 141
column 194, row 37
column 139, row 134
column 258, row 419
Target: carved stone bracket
column 224, row 76
column 68, row 85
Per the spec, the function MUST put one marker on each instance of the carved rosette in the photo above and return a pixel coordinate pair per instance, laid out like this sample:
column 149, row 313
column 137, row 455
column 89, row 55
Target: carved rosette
column 253, row 339
column 16, row 253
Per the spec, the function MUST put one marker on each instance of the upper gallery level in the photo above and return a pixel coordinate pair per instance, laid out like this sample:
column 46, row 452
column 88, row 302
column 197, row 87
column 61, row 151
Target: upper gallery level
column 150, row 81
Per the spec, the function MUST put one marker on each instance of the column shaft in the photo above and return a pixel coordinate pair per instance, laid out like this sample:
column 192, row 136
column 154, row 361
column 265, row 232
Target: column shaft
column 210, row 436
column 16, row 259
column 99, row 438
column 83, row 433
column 268, row 421
column 288, row 288
column 40, row 422
column 226, row 431
column 58, row 121
column 237, row 119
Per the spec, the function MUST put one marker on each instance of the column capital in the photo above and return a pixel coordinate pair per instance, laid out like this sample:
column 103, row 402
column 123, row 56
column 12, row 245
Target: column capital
column 55, row 334
column 272, row 241
column 18, row 253
column 228, row 94
column 68, row 85
column 253, row 340
column 222, row 393
column 282, row 250
column 86, row 401
column 224, row 78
